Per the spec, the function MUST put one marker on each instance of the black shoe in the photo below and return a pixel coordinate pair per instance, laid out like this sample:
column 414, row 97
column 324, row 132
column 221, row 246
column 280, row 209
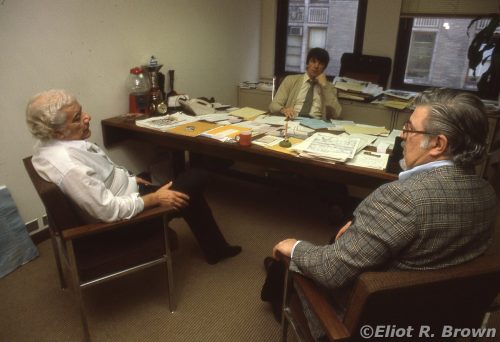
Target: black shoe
column 223, row 253
column 273, row 288
column 267, row 262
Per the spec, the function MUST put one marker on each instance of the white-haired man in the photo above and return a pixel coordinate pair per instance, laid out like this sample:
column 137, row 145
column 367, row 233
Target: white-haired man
column 103, row 190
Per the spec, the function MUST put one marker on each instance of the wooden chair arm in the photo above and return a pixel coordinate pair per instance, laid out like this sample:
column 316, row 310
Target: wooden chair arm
column 94, row 228
column 319, row 304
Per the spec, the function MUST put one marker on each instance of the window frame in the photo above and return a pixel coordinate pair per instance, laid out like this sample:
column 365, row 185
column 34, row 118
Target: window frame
column 282, row 30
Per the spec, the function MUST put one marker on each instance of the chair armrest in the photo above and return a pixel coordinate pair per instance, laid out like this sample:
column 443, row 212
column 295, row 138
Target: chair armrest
column 319, row 304
column 93, row 228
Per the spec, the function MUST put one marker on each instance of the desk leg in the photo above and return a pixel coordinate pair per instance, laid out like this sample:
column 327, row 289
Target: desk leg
column 196, row 160
column 179, row 162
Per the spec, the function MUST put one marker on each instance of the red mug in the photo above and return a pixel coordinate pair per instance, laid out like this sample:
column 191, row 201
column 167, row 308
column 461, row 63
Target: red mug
column 244, row 138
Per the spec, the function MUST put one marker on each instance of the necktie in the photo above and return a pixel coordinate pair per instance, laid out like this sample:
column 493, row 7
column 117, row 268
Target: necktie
column 306, row 107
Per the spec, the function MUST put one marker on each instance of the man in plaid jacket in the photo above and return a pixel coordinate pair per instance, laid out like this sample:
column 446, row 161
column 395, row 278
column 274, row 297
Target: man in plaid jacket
column 438, row 214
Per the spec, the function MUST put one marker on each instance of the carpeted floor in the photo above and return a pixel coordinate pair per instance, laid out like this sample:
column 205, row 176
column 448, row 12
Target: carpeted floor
column 214, row 302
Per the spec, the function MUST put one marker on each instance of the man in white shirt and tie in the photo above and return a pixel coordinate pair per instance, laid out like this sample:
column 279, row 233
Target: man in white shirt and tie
column 309, row 94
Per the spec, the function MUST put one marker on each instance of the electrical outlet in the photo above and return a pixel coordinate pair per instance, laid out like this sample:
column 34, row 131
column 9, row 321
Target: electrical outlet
column 32, row 225
column 45, row 221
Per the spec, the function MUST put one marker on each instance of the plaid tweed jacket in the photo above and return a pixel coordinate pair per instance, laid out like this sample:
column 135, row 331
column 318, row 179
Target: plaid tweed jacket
column 434, row 219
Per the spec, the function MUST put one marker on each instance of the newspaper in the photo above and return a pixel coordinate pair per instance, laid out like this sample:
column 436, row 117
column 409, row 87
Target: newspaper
column 165, row 122
column 328, row 147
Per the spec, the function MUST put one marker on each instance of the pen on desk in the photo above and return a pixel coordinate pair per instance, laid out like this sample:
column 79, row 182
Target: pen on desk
column 285, row 142
column 372, row 154
column 286, row 129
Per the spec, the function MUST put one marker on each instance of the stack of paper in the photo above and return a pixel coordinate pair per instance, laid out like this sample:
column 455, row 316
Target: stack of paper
column 247, row 113
column 192, row 129
column 366, row 129
column 398, row 99
column 314, row 123
column 214, row 117
column 271, row 119
column 328, row 147
column 338, row 125
column 349, row 88
column 296, row 129
column 371, row 160
column 257, row 128
column 268, row 140
column 166, row 122
column 224, row 133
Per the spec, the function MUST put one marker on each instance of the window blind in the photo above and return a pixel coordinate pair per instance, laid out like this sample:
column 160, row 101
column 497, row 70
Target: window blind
column 415, row 8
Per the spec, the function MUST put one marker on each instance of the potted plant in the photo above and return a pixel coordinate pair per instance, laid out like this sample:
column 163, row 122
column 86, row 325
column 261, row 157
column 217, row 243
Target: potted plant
column 489, row 83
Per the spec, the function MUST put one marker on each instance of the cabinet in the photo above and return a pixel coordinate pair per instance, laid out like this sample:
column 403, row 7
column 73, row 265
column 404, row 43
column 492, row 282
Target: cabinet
column 366, row 113
column 255, row 98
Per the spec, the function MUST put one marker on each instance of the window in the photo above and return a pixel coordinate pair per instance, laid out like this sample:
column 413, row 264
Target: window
column 432, row 52
column 335, row 25
column 420, row 57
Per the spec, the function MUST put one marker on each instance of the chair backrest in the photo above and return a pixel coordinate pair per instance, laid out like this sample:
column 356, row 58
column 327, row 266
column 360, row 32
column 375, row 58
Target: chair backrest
column 457, row 296
column 374, row 69
column 61, row 211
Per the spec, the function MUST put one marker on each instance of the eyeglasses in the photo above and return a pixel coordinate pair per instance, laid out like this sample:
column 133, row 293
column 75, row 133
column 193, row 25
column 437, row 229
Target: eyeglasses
column 407, row 129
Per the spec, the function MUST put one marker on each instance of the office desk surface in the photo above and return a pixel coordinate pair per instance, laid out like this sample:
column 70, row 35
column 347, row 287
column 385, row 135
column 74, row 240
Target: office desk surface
column 117, row 129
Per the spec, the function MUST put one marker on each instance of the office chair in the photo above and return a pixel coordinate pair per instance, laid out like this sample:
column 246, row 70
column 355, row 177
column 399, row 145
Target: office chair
column 98, row 252
column 374, row 69
column 457, row 296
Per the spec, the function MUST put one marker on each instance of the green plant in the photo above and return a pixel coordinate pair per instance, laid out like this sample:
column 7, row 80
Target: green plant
column 489, row 83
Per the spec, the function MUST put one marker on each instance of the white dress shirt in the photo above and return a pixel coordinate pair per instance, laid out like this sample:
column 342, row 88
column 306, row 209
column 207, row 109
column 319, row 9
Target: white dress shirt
column 102, row 189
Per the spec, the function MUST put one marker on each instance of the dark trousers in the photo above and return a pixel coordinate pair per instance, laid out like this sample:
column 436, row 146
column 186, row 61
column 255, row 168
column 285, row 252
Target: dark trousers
column 197, row 214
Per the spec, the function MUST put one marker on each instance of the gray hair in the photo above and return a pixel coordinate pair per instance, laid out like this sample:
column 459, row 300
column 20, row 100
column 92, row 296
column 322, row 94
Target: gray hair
column 461, row 117
column 44, row 116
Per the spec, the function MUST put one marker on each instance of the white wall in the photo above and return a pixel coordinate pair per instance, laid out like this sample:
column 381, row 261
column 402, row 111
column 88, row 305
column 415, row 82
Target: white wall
column 267, row 38
column 88, row 47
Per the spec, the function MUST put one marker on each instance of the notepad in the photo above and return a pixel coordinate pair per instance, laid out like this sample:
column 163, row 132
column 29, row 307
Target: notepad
column 247, row 113
column 366, row 129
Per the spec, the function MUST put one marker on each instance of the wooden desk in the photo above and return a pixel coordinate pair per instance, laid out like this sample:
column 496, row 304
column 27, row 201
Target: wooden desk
column 359, row 112
column 116, row 130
